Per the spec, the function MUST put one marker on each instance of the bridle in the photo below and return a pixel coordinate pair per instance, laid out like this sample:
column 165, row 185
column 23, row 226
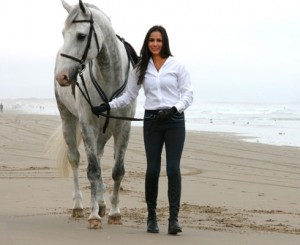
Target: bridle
column 88, row 44
column 96, row 85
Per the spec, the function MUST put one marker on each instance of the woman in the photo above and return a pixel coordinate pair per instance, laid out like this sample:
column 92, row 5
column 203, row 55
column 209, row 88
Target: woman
column 168, row 90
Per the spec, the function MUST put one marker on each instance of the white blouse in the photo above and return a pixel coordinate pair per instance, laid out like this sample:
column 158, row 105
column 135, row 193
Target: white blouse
column 170, row 86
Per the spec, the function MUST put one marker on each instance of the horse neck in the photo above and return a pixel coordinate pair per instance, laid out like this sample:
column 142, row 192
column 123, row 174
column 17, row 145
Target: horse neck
column 109, row 65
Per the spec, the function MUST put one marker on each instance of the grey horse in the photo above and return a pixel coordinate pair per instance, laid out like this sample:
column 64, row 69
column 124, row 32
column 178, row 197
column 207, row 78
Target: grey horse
column 91, row 62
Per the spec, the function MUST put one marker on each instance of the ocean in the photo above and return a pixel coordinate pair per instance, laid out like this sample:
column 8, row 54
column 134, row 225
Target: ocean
column 276, row 124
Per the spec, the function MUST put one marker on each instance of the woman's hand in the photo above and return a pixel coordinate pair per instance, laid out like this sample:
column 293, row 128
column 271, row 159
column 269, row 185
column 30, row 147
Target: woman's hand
column 166, row 114
column 100, row 109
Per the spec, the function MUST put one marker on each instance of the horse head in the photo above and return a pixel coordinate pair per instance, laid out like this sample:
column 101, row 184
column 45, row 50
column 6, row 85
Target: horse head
column 82, row 43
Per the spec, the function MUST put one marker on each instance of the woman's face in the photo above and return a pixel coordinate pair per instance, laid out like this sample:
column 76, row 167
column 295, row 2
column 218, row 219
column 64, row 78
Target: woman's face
column 155, row 43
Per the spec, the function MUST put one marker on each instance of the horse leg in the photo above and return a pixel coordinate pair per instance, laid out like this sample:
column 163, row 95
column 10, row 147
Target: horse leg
column 120, row 146
column 71, row 132
column 101, row 199
column 102, row 140
column 94, row 176
column 73, row 156
column 77, row 211
column 93, row 172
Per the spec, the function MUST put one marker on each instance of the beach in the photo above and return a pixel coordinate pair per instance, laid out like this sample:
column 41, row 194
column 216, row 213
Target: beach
column 234, row 192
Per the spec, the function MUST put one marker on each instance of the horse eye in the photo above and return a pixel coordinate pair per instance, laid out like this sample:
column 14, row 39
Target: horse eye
column 81, row 36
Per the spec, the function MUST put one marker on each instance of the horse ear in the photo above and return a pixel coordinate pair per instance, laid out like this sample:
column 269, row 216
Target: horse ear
column 66, row 6
column 82, row 7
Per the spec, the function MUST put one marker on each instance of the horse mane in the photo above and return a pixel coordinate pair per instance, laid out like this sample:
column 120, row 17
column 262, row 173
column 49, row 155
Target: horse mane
column 75, row 10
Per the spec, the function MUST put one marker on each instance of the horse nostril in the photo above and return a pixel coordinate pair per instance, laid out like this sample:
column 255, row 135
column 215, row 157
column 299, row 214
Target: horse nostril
column 65, row 77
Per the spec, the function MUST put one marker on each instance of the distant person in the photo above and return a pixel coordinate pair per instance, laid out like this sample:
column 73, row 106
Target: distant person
column 1, row 107
column 168, row 90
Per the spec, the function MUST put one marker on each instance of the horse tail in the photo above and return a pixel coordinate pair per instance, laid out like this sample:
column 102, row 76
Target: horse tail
column 58, row 149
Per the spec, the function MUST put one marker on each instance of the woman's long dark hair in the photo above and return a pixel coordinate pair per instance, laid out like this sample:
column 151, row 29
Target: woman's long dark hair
column 145, row 53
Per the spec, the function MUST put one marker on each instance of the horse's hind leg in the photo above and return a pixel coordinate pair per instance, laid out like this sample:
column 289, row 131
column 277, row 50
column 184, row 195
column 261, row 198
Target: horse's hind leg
column 102, row 140
column 120, row 146
column 71, row 132
column 77, row 210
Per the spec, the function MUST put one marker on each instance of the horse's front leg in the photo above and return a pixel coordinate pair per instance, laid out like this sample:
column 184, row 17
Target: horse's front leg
column 95, row 178
column 93, row 173
column 71, row 134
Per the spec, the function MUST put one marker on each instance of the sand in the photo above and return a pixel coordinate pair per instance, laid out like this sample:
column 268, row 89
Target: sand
column 234, row 192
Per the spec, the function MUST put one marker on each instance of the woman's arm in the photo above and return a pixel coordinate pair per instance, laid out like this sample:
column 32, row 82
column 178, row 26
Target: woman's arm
column 130, row 93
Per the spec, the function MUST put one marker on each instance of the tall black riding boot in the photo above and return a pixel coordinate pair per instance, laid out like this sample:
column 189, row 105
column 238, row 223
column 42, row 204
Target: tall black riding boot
column 174, row 194
column 151, row 192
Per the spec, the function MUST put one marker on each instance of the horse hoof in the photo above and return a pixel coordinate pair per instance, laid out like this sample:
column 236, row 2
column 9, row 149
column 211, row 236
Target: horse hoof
column 77, row 213
column 115, row 220
column 95, row 224
column 102, row 210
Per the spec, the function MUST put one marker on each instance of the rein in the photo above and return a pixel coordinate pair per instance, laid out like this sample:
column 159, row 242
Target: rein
column 132, row 57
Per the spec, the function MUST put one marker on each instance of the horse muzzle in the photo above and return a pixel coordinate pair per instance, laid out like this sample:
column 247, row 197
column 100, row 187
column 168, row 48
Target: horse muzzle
column 66, row 79
column 63, row 80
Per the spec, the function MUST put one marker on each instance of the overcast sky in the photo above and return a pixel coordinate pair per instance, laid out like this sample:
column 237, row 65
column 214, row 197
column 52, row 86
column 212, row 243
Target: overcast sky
column 235, row 50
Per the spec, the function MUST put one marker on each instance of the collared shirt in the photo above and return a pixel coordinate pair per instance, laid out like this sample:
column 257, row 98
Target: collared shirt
column 170, row 86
